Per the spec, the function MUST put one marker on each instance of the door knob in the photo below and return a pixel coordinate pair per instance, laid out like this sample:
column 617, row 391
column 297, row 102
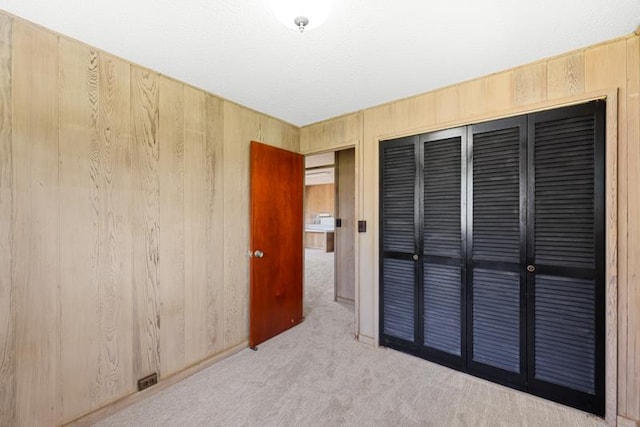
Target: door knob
column 415, row 257
column 531, row 268
column 258, row 253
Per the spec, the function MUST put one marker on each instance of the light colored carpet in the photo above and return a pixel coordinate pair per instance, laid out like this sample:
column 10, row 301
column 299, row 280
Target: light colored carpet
column 317, row 375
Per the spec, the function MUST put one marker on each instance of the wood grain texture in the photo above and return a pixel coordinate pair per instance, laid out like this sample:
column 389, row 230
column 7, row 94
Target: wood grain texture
column 7, row 307
column 115, row 272
column 565, row 76
column 145, row 183
column 240, row 127
column 279, row 134
column 611, row 258
column 331, row 134
column 215, row 224
column 531, row 84
column 318, row 199
column 171, row 135
column 447, row 104
column 422, row 111
column 277, row 186
column 500, row 91
column 195, row 228
column 80, row 215
column 473, row 98
column 345, row 236
column 600, row 74
column 632, row 248
column 35, row 252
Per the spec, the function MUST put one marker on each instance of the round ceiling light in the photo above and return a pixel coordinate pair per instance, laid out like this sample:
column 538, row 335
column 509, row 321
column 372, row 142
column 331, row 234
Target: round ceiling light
column 301, row 15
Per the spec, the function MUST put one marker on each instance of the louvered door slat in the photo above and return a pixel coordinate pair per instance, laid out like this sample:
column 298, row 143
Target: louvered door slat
column 565, row 345
column 441, row 293
column 496, row 319
column 496, row 294
column 496, row 195
column 442, row 197
column 398, row 224
column 398, row 198
column 564, row 189
column 565, row 338
column 398, row 294
column 442, row 307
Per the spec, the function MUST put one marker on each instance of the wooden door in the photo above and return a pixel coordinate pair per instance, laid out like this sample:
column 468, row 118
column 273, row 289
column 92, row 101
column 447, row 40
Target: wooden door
column 345, row 173
column 277, row 183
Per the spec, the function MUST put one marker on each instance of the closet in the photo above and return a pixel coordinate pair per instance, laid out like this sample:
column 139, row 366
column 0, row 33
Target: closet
column 492, row 251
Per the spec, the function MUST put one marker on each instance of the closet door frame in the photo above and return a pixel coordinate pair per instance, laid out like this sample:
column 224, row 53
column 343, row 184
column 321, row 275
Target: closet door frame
column 606, row 178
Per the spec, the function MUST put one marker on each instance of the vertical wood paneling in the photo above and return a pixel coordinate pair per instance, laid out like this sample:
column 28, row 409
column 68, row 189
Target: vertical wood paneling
column 240, row 127
column 632, row 173
column 345, row 235
column 600, row 74
column 500, row 91
column 276, row 133
column 35, row 254
column 115, row 272
column 422, row 111
column 473, row 98
column 565, row 76
column 215, row 224
column 79, row 192
column 318, row 199
column 171, row 135
column 447, row 104
column 195, row 208
column 7, row 307
column 332, row 134
column 145, row 182
column 531, row 84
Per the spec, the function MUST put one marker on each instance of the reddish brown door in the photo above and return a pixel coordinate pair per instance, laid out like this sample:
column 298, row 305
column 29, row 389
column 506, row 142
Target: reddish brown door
column 277, row 184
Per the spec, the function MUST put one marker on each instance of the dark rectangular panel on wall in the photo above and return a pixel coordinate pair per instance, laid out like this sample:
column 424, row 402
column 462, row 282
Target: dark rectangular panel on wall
column 495, row 213
column 566, row 255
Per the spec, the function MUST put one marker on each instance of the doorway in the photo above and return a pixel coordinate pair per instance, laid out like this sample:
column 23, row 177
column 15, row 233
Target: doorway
column 329, row 227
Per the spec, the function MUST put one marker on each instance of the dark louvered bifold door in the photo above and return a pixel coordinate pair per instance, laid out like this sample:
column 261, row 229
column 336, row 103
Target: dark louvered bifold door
column 398, row 228
column 566, row 255
column 497, row 326
column 442, row 246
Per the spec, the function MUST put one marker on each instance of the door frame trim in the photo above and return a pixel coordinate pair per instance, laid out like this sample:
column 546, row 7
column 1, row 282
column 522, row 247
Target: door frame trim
column 610, row 95
column 355, row 144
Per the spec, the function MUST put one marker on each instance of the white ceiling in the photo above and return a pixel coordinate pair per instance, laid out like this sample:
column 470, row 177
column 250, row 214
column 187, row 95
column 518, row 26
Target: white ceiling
column 368, row 51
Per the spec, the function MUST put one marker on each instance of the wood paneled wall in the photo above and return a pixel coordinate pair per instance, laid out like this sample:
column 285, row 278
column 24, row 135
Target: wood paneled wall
column 594, row 71
column 124, row 209
column 318, row 199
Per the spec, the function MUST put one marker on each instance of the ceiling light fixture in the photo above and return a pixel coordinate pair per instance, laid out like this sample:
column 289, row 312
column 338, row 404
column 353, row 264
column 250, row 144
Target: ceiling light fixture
column 301, row 15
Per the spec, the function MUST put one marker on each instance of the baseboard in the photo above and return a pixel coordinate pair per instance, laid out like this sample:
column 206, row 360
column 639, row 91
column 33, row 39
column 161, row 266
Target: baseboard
column 345, row 300
column 367, row 340
column 626, row 422
column 117, row 406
